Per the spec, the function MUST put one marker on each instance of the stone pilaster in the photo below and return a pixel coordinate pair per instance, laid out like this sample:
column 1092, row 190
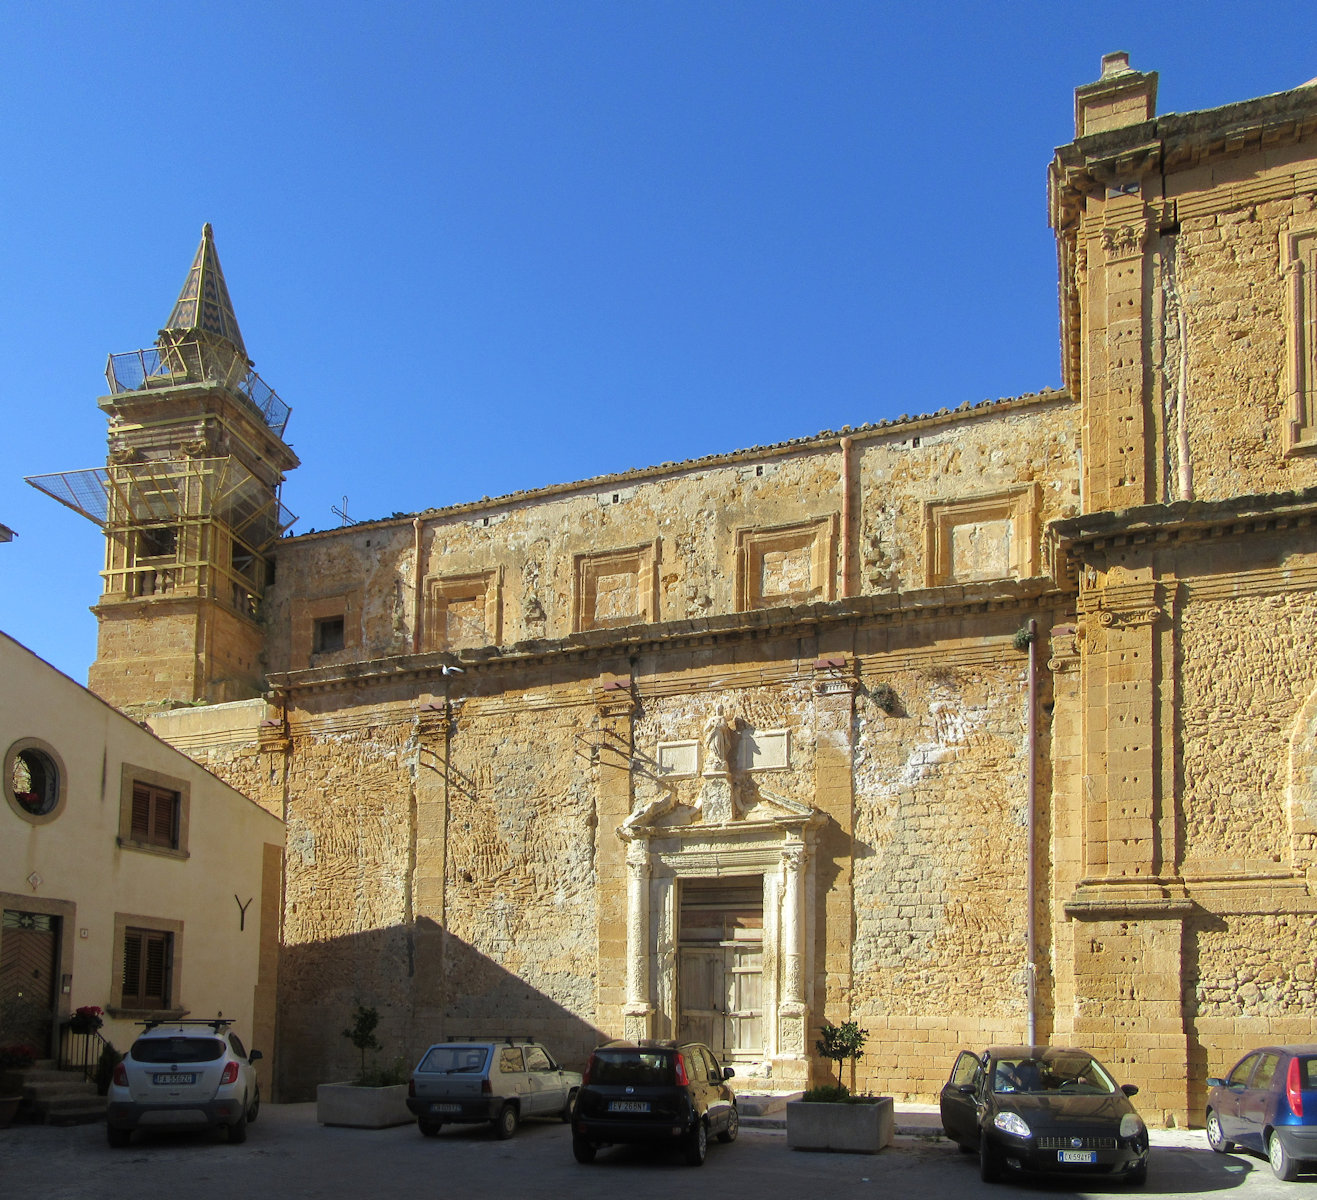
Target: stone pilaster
column 1117, row 431
column 434, row 731
column 834, row 797
column 612, row 752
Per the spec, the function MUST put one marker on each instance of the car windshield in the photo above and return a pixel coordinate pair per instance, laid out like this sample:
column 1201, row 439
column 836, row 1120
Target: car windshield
column 1071, row 1074
column 632, row 1066
column 177, row 1049
column 454, row 1060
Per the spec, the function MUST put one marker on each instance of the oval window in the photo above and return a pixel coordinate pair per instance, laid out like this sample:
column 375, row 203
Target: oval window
column 34, row 780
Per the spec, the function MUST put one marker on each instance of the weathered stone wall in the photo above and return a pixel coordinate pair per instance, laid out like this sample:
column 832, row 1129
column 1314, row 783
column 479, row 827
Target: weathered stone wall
column 687, row 522
column 1247, row 669
column 941, row 847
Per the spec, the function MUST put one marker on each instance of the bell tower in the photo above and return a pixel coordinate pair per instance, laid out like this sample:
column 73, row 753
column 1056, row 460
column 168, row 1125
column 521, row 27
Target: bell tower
column 189, row 502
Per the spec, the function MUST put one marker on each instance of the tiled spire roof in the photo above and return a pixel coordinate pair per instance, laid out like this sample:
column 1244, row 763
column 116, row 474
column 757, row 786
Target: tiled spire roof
column 204, row 302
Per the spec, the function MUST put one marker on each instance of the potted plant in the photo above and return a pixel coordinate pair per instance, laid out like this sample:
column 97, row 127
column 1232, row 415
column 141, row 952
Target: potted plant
column 87, row 1019
column 832, row 1116
column 377, row 1098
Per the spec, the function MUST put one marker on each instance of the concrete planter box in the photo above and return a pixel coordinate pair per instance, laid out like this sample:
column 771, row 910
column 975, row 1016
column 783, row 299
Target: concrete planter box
column 362, row 1107
column 859, row 1128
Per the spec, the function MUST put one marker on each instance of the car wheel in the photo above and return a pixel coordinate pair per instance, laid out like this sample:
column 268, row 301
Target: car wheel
column 1139, row 1176
column 1283, row 1165
column 238, row 1130
column 429, row 1128
column 989, row 1167
column 567, row 1108
column 119, row 1138
column 1216, row 1138
column 255, row 1110
column 505, row 1124
column 733, row 1126
column 582, row 1150
column 697, row 1145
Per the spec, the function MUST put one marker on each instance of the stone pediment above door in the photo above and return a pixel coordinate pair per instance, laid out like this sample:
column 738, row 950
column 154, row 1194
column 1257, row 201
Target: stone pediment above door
column 721, row 815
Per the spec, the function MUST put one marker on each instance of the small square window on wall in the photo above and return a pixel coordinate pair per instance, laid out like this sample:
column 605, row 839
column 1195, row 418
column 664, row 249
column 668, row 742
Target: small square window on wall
column 155, row 815
column 328, row 636
column 153, row 812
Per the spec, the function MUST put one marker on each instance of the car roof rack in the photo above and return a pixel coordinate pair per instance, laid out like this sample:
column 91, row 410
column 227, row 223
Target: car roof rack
column 217, row 1023
column 510, row 1039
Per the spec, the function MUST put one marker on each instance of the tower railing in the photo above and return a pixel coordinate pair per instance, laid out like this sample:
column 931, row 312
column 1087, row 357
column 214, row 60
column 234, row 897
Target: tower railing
column 137, row 370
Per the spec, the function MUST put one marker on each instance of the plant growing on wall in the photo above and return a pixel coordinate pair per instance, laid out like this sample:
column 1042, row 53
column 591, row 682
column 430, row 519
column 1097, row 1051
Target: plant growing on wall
column 842, row 1042
column 361, row 1033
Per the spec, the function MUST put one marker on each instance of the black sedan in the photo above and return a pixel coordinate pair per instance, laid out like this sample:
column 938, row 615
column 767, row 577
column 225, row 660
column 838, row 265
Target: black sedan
column 1043, row 1109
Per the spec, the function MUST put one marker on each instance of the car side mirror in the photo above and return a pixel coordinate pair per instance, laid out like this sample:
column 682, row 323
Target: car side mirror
column 1130, row 1089
column 1213, row 1081
column 254, row 1055
column 965, row 1089
column 728, row 1072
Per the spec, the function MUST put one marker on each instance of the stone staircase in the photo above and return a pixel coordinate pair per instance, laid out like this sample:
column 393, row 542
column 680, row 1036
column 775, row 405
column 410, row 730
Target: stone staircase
column 54, row 1097
column 764, row 1110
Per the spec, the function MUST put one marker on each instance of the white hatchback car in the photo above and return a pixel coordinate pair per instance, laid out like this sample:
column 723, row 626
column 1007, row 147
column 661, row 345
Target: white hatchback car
column 184, row 1074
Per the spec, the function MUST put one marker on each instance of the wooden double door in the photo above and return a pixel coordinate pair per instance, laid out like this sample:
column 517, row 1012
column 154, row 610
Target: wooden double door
column 720, row 966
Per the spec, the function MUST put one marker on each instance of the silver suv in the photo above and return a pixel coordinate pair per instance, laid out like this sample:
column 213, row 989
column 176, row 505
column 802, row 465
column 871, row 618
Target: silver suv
column 187, row 1074
column 501, row 1082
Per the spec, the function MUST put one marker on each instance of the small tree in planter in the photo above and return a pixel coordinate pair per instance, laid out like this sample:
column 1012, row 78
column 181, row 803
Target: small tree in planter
column 361, row 1034
column 829, row 1117
column 842, row 1042
column 375, row 1099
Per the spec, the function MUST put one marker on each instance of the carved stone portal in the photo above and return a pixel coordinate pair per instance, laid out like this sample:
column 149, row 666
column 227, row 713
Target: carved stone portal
column 769, row 855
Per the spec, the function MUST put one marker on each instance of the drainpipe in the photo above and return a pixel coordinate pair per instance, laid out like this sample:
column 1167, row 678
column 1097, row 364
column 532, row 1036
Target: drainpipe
column 416, row 598
column 1031, row 867
column 845, row 517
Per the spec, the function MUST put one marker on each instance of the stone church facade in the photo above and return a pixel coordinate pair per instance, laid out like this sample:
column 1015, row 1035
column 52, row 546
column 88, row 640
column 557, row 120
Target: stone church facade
column 989, row 725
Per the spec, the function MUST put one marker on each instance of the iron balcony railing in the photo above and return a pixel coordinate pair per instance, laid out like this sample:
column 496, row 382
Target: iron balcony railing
column 139, row 369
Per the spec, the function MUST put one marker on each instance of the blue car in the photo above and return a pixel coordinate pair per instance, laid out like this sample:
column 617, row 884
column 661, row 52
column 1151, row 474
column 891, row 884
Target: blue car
column 1268, row 1104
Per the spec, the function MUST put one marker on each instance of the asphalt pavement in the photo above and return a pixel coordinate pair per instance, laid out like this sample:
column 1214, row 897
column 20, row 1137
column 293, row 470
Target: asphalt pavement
column 289, row 1156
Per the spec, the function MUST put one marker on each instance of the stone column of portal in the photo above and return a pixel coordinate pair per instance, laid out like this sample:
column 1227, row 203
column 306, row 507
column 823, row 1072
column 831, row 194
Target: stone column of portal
column 639, row 1012
column 792, row 1013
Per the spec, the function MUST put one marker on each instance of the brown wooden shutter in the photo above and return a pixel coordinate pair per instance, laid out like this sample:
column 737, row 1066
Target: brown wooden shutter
column 155, row 816
column 147, row 964
column 155, row 984
column 132, row 968
column 141, row 827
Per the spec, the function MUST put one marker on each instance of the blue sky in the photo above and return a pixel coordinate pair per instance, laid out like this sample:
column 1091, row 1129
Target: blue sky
column 487, row 246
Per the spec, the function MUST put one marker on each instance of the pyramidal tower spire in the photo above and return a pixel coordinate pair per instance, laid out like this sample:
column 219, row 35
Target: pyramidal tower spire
column 203, row 306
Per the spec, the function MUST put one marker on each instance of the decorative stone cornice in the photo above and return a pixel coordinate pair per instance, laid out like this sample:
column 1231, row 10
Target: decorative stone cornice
column 1174, row 142
column 1124, row 898
column 1080, row 539
column 596, row 648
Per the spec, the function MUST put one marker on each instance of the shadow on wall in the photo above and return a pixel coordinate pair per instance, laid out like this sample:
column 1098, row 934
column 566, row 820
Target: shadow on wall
column 426, row 985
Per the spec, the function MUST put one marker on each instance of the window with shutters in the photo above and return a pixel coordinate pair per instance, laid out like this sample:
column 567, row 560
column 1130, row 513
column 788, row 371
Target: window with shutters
column 155, row 815
column 146, row 962
column 147, row 965
column 153, row 812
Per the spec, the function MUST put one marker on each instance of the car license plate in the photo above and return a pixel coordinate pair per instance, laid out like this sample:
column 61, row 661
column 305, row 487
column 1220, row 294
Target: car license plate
column 445, row 1108
column 168, row 1080
column 641, row 1106
column 1078, row 1156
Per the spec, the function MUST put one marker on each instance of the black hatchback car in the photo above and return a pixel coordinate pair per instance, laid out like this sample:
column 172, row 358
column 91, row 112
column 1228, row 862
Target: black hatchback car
column 656, row 1093
column 1045, row 1110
